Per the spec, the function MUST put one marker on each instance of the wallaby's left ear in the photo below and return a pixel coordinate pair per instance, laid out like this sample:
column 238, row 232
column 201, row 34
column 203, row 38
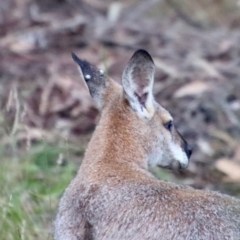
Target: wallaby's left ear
column 95, row 79
column 137, row 81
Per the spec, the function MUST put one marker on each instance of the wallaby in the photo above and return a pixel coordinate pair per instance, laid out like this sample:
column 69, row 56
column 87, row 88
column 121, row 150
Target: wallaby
column 114, row 196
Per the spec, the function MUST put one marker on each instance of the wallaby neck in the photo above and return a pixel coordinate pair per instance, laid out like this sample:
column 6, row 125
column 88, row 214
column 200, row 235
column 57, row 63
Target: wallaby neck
column 114, row 149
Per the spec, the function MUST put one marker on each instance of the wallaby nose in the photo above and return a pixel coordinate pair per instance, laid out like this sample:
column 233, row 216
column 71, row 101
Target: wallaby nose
column 188, row 151
column 187, row 148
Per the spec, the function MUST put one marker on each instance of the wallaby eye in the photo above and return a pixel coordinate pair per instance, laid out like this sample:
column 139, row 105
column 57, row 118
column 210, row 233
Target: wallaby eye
column 168, row 125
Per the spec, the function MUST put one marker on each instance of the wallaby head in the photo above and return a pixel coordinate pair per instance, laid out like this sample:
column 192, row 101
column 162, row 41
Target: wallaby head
column 132, row 109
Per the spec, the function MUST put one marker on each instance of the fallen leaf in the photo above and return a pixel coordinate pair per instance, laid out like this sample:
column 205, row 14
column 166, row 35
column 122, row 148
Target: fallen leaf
column 205, row 147
column 195, row 88
column 236, row 156
column 229, row 168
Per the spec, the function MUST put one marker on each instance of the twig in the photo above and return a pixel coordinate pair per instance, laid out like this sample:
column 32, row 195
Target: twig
column 183, row 15
column 204, row 65
column 16, row 118
column 138, row 9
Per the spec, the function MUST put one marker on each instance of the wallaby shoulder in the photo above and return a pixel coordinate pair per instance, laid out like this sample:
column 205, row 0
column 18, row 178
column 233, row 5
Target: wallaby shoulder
column 172, row 215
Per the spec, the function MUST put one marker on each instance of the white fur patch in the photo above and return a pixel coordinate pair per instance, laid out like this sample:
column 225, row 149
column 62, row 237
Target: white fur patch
column 178, row 154
column 155, row 158
column 167, row 155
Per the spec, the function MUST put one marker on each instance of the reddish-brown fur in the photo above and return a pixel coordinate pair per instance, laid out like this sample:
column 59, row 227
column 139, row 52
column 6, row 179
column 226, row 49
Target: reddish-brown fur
column 114, row 196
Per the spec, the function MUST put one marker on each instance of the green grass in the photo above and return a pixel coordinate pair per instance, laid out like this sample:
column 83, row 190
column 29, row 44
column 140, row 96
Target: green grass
column 30, row 187
column 31, row 183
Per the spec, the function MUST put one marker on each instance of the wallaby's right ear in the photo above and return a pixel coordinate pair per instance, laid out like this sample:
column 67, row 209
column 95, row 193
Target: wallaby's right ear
column 137, row 81
column 95, row 79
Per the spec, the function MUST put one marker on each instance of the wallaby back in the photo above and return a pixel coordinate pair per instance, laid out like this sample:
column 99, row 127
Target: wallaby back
column 113, row 195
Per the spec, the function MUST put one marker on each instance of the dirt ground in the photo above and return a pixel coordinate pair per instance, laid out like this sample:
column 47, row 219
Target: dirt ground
column 197, row 56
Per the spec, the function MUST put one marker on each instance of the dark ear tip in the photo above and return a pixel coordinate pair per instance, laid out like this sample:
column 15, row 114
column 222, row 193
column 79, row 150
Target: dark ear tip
column 74, row 56
column 143, row 53
column 80, row 62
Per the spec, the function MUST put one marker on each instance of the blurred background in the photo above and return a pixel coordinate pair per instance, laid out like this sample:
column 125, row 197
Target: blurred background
column 47, row 116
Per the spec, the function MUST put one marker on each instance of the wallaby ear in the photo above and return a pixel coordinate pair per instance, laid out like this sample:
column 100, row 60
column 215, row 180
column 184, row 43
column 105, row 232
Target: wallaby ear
column 95, row 79
column 137, row 81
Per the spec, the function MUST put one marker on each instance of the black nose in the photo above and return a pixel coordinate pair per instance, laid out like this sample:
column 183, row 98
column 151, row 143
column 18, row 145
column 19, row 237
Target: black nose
column 188, row 151
column 187, row 148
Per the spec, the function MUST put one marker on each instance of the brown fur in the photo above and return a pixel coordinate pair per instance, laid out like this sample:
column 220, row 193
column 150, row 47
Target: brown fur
column 115, row 197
